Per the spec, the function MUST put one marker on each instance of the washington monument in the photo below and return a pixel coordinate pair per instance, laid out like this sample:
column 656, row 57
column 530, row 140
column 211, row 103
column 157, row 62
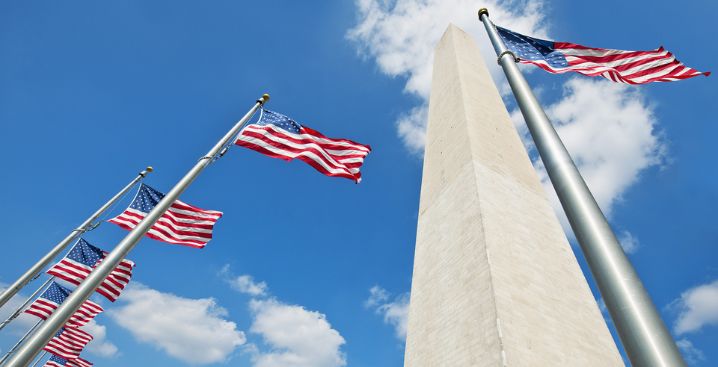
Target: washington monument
column 495, row 280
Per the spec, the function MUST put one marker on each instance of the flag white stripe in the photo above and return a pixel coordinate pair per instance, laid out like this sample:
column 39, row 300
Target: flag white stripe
column 199, row 216
column 215, row 213
column 646, row 66
column 310, row 137
column 289, row 154
column 132, row 222
column 324, row 155
column 614, row 63
column 591, row 52
column 166, row 214
column 175, row 241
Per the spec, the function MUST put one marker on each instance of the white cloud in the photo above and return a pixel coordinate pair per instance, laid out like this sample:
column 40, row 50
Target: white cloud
column 610, row 131
column 629, row 242
column 395, row 313
column 698, row 307
column 296, row 336
column 20, row 325
column 411, row 127
column 243, row 283
column 377, row 297
column 292, row 335
column 608, row 128
column 401, row 35
column 192, row 330
column 692, row 354
column 99, row 345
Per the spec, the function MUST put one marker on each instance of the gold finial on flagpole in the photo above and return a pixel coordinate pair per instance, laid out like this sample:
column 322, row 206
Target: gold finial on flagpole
column 263, row 99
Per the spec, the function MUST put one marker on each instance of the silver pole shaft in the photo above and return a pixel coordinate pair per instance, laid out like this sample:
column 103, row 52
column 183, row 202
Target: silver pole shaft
column 27, row 301
column 58, row 318
column 39, row 359
column 14, row 347
column 645, row 337
column 31, row 273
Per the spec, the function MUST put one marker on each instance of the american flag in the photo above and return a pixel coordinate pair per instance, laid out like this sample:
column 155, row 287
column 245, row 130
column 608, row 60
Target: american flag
column 55, row 361
column 79, row 362
column 78, row 264
column 68, row 343
column 631, row 67
column 181, row 224
column 279, row 136
column 53, row 296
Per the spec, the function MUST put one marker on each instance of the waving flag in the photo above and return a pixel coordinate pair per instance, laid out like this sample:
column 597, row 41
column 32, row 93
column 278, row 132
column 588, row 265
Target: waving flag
column 68, row 343
column 78, row 264
column 55, row 361
column 278, row 136
column 53, row 296
column 631, row 67
column 79, row 362
column 182, row 224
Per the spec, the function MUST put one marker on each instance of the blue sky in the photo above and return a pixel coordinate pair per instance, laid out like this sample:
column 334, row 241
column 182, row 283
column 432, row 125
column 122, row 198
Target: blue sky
column 303, row 267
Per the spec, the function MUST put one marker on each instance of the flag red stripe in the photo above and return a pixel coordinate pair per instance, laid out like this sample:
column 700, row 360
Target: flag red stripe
column 258, row 136
column 299, row 152
column 181, row 224
column 318, row 167
column 176, row 235
column 163, row 238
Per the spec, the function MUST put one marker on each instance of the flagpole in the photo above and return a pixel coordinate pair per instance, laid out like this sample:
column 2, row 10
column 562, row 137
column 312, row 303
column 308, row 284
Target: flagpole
column 39, row 358
column 645, row 337
column 28, row 351
column 14, row 347
column 27, row 301
column 87, row 225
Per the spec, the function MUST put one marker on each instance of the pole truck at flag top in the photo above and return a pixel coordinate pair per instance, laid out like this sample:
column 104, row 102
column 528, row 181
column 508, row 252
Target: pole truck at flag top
column 47, row 330
column 88, row 225
column 645, row 337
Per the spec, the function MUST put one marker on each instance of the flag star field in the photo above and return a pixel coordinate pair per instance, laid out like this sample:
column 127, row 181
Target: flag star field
column 309, row 257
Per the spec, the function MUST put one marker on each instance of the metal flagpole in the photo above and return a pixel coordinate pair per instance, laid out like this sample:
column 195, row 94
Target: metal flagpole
column 27, row 301
column 39, row 359
column 644, row 335
column 14, row 347
column 28, row 351
column 84, row 227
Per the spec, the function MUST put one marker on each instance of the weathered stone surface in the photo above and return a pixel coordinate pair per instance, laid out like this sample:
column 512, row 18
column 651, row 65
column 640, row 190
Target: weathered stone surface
column 495, row 281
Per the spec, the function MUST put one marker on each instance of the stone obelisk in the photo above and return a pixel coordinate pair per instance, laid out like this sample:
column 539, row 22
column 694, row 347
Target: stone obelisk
column 495, row 280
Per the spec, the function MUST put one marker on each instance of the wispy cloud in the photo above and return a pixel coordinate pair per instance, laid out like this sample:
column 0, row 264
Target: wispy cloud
column 394, row 310
column 243, row 283
column 291, row 335
column 629, row 242
column 611, row 133
column 24, row 321
column 697, row 308
column 692, row 354
column 296, row 337
column 99, row 345
column 609, row 129
column 195, row 331
column 400, row 36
